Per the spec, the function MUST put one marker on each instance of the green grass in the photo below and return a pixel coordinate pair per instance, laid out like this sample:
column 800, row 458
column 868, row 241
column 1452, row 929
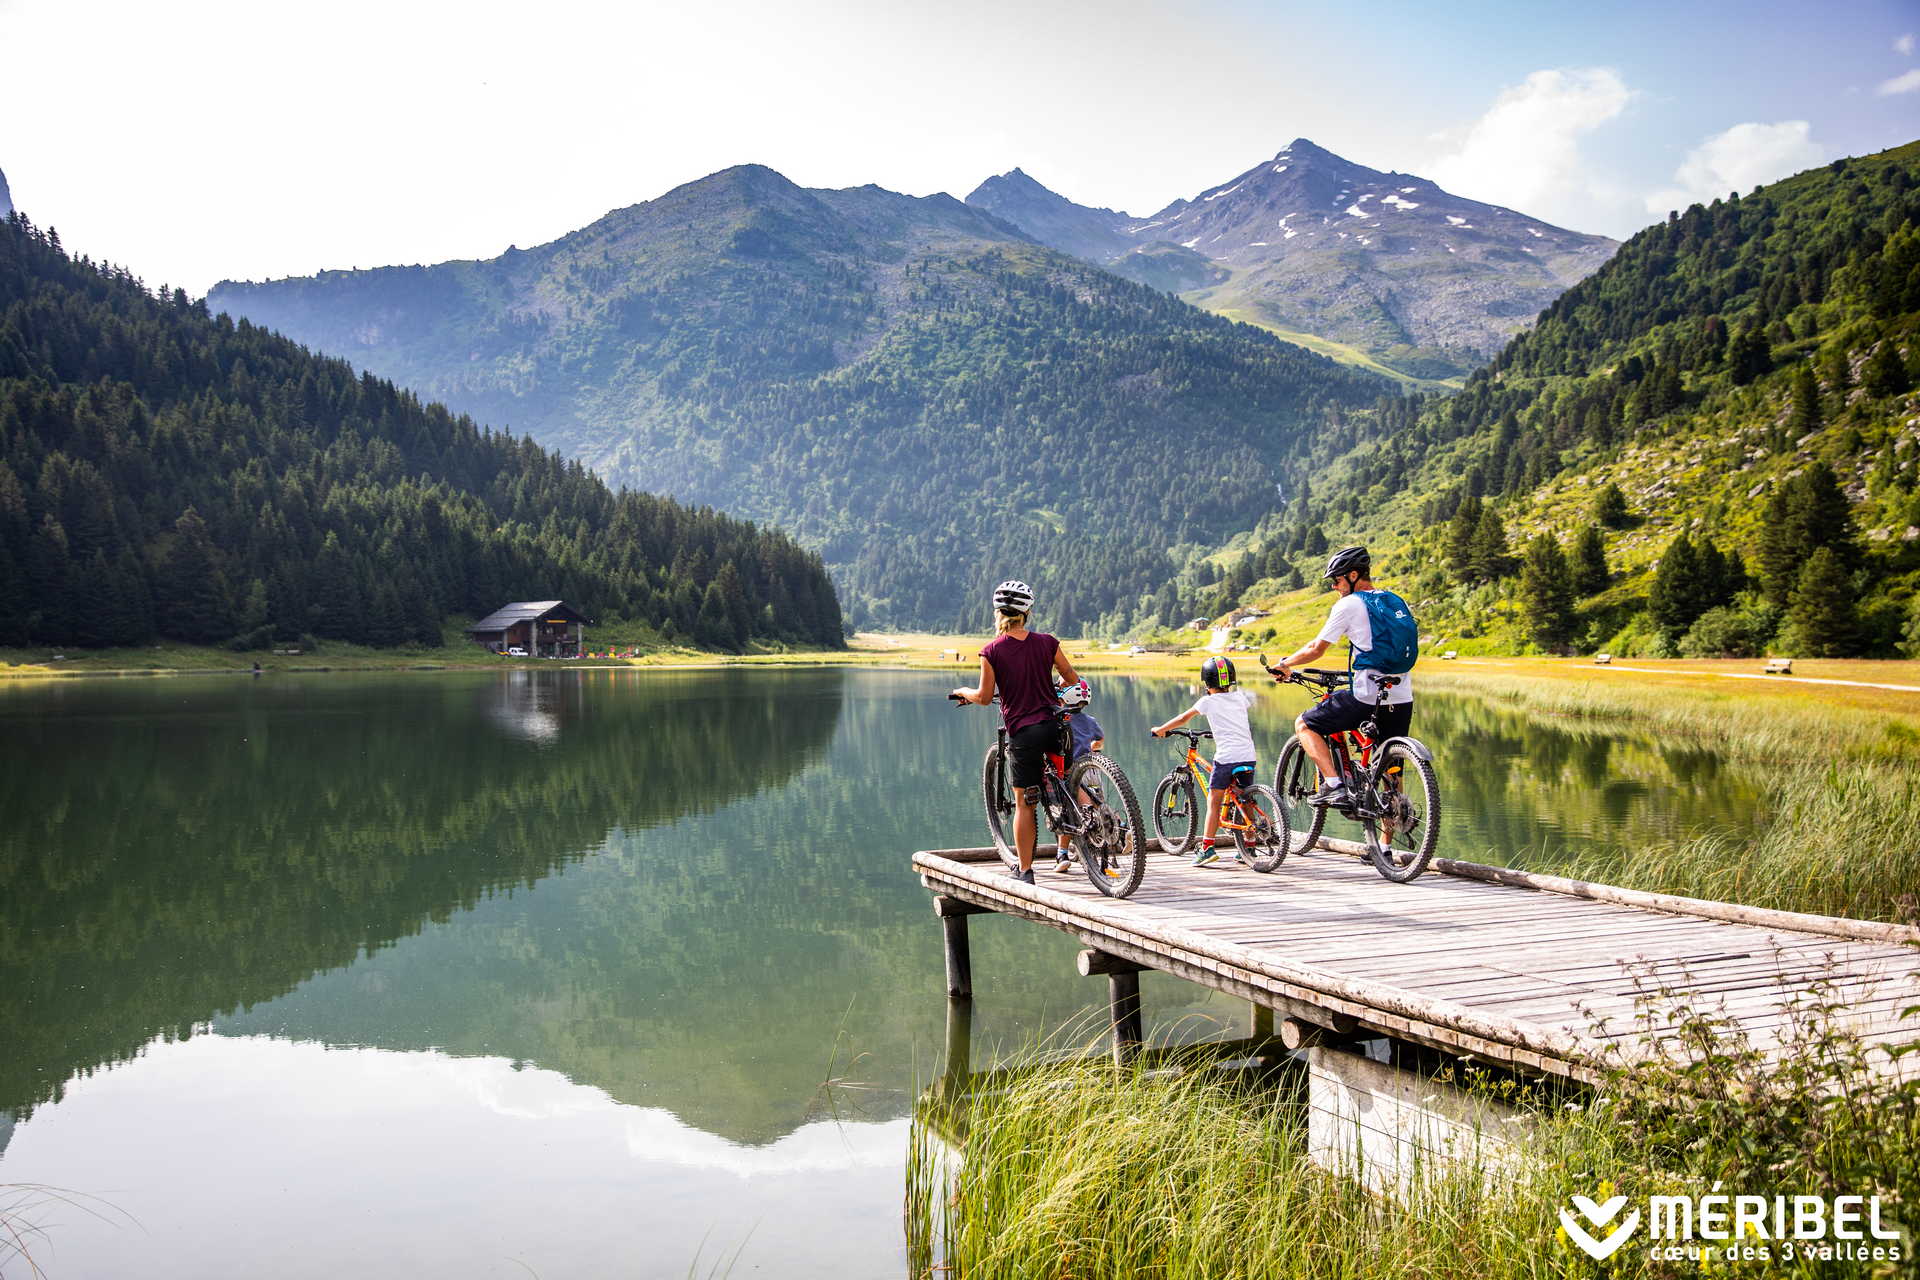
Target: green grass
column 1337, row 351
column 1074, row 1171
column 1842, row 794
column 1077, row 1171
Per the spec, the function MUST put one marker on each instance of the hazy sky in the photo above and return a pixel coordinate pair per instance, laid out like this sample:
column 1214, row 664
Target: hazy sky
column 204, row 139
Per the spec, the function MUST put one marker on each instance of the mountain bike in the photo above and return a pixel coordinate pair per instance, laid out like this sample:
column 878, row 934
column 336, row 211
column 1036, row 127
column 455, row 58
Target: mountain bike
column 1249, row 810
column 1391, row 788
column 1090, row 801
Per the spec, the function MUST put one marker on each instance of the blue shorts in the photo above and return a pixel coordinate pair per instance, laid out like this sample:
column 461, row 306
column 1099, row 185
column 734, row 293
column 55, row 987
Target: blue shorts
column 1229, row 775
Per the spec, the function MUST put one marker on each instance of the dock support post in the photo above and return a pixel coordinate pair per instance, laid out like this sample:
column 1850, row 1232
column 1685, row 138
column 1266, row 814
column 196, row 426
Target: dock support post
column 959, row 958
column 1262, row 1022
column 1123, row 992
column 1123, row 1000
column 959, row 1063
column 953, row 915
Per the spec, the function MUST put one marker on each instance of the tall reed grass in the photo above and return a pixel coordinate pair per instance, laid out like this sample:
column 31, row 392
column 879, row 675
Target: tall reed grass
column 1838, row 830
column 1076, row 1170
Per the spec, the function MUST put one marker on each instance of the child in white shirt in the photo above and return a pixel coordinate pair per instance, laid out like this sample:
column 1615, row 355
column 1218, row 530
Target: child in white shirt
column 1234, row 758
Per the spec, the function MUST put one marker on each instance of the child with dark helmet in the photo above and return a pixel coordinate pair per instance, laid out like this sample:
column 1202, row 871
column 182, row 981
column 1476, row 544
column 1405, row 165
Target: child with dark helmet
column 1225, row 708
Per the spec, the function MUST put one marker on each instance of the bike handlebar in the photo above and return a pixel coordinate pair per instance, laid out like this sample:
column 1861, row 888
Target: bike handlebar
column 1313, row 675
column 1321, row 676
column 1189, row 734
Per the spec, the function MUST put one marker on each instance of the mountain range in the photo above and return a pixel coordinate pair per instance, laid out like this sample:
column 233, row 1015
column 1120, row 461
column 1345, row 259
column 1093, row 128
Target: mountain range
column 1384, row 269
column 1710, row 447
column 915, row 386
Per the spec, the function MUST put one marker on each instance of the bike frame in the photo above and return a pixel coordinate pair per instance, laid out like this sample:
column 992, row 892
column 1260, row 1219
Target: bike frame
column 1203, row 778
column 1053, row 787
column 1358, row 775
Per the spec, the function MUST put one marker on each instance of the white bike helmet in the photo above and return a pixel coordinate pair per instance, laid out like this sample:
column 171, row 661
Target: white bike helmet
column 1013, row 595
column 1076, row 696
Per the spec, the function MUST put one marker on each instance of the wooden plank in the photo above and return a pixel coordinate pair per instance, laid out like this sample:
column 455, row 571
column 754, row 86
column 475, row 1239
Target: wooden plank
column 1459, row 1021
column 1797, row 921
column 1465, row 965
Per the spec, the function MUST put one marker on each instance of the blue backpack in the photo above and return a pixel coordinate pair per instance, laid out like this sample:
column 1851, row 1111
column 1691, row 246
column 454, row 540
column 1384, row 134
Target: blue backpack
column 1396, row 636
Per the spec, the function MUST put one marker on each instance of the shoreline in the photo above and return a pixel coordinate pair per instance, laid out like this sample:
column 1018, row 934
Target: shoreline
column 1888, row 684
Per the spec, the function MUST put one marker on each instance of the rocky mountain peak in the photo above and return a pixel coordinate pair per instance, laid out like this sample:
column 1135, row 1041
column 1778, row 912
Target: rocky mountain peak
column 6, row 197
column 1309, row 241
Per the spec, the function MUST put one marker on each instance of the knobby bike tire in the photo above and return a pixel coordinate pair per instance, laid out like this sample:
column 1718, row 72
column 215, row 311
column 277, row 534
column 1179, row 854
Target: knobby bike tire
column 1263, row 843
column 1116, row 863
column 1176, row 813
column 997, row 795
column 1399, row 851
column 1294, row 779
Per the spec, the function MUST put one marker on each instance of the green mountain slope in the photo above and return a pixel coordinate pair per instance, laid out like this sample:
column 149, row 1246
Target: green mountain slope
column 164, row 472
column 914, row 387
column 1742, row 375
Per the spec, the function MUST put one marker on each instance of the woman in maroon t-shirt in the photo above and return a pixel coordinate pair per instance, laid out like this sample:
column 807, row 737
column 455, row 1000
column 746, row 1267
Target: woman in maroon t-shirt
column 1020, row 664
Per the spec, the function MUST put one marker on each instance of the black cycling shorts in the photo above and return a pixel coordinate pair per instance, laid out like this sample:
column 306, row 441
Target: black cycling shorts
column 1029, row 748
column 1343, row 711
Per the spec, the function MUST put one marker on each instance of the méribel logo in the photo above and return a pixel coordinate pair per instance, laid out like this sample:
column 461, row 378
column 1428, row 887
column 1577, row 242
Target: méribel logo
column 1599, row 1215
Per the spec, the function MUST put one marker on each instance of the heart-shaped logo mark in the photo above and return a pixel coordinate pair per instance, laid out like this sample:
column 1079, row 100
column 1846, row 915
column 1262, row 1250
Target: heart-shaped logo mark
column 1599, row 1215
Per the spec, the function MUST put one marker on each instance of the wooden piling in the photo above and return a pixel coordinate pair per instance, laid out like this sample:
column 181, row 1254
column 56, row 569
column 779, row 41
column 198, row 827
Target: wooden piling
column 953, row 915
column 1123, row 995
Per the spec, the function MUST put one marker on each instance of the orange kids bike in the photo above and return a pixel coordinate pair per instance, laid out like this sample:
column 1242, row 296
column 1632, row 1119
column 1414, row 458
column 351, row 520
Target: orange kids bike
column 1392, row 791
column 1249, row 810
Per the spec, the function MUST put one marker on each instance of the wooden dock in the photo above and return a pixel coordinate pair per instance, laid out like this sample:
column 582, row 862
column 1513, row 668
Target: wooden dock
column 1535, row 972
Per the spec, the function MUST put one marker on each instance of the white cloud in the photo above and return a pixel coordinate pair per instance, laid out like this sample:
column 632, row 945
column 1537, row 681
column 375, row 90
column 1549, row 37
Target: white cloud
column 1904, row 44
column 1743, row 157
column 1525, row 151
column 1904, row 83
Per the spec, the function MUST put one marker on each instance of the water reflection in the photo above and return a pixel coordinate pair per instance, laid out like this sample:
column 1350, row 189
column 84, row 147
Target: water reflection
column 656, row 912
column 176, row 851
column 1528, row 789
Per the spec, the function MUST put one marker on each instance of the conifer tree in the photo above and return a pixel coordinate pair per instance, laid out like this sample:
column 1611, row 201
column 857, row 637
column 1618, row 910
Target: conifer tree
column 1546, row 589
column 1824, row 617
column 1885, row 374
column 1749, row 356
column 1804, row 416
column 1589, row 569
column 190, row 592
column 1489, row 557
column 1610, row 507
column 1460, row 532
column 1673, row 602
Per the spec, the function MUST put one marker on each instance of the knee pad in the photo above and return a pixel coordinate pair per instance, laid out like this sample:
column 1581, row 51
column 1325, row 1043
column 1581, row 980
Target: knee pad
column 1031, row 796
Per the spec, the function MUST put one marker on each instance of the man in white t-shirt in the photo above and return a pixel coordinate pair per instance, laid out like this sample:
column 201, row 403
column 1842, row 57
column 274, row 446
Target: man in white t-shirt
column 1234, row 759
column 1349, row 571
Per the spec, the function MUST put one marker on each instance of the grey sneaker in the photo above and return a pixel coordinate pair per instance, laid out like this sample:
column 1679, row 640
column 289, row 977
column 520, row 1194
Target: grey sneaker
column 1332, row 791
column 1024, row 877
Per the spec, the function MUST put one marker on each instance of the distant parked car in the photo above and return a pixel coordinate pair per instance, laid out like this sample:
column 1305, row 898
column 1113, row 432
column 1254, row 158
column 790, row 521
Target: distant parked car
column 516, row 652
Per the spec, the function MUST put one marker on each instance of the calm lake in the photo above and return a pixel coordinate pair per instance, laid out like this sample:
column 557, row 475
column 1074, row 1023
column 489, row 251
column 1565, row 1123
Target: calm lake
column 565, row 973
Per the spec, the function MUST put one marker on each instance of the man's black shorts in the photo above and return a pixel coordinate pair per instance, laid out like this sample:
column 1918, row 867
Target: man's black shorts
column 1029, row 747
column 1343, row 711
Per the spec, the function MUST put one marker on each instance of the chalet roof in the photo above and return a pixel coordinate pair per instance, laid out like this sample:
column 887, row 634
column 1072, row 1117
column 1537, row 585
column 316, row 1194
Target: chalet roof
column 520, row 611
